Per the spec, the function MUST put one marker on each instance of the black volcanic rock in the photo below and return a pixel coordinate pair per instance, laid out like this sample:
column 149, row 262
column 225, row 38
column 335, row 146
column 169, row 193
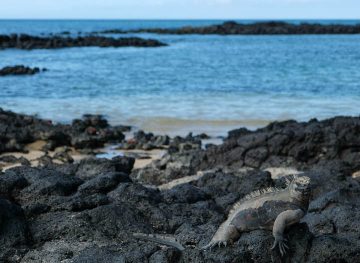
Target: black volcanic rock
column 92, row 167
column 19, row 70
column 259, row 28
column 104, row 182
column 290, row 143
column 87, row 211
column 33, row 42
column 93, row 131
column 14, row 232
column 89, row 132
column 104, row 211
column 149, row 141
column 293, row 144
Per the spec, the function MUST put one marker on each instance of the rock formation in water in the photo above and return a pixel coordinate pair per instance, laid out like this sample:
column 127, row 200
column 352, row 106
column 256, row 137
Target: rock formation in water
column 33, row 42
column 259, row 28
column 19, row 70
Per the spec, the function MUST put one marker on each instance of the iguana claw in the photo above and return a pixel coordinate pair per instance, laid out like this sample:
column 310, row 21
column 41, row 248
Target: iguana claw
column 281, row 244
column 213, row 244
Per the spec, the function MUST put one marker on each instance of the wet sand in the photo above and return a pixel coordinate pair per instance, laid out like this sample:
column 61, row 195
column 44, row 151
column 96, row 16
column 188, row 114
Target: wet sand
column 142, row 158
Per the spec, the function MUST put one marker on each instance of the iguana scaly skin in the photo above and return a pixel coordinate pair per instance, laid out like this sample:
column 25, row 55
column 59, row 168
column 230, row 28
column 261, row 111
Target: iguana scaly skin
column 267, row 209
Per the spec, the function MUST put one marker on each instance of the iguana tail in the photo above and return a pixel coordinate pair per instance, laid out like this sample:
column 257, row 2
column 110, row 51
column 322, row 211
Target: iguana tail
column 164, row 240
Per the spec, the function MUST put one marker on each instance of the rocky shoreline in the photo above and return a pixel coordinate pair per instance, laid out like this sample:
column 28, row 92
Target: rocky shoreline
column 88, row 210
column 259, row 28
column 20, row 70
column 28, row 42
column 86, row 134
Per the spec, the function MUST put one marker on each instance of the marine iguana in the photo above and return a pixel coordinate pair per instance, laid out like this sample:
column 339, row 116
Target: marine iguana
column 270, row 208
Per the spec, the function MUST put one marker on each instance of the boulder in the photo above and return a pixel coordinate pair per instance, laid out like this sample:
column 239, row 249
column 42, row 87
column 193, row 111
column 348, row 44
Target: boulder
column 91, row 167
column 103, row 183
column 14, row 233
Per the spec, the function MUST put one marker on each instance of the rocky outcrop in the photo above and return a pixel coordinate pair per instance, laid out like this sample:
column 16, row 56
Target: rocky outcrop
column 92, row 131
column 87, row 211
column 290, row 143
column 54, row 214
column 260, row 28
column 149, row 141
column 19, row 70
column 33, row 42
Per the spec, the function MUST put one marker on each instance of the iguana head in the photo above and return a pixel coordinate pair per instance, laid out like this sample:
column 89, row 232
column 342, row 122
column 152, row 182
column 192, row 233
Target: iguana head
column 300, row 186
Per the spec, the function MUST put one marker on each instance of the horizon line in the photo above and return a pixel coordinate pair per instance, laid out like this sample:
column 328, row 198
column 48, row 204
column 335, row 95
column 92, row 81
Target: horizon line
column 179, row 19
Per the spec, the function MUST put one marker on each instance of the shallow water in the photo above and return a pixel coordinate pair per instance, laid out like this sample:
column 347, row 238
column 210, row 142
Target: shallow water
column 198, row 83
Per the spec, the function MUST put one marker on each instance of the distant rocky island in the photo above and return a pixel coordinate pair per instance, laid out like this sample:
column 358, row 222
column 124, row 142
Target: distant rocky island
column 259, row 28
column 20, row 70
column 28, row 42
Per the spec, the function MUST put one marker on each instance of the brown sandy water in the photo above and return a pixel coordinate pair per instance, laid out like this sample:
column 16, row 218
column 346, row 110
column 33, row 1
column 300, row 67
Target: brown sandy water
column 181, row 127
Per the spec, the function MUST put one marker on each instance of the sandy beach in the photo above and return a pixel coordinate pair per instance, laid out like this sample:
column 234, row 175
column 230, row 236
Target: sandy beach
column 35, row 153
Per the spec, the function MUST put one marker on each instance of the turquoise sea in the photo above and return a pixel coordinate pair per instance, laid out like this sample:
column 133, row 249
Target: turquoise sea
column 198, row 83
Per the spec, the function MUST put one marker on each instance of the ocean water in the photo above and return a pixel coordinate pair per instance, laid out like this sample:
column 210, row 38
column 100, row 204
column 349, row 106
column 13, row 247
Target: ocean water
column 198, row 83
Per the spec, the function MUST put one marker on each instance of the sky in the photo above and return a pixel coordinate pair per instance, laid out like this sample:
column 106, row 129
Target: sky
column 180, row 9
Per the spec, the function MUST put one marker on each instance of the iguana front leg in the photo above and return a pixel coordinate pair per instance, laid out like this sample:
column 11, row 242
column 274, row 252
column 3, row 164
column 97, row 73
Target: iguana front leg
column 284, row 219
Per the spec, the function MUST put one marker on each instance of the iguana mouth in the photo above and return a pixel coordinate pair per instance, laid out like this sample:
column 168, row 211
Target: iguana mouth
column 302, row 185
column 304, row 180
